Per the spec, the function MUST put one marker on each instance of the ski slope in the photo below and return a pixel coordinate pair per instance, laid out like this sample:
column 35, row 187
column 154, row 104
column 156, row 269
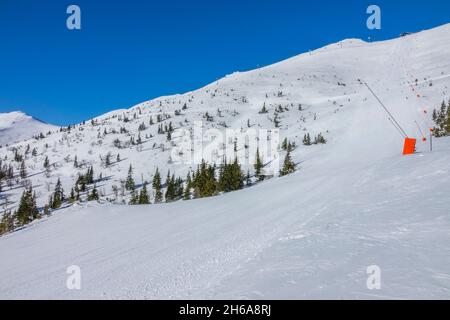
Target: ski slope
column 353, row 203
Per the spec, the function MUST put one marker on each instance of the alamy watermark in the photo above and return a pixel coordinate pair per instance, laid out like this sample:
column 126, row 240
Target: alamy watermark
column 73, row 21
column 194, row 145
column 374, row 279
column 73, row 281
column 374, row 20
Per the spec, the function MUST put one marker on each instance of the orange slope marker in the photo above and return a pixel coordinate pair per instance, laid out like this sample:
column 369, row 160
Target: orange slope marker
column 409, row 146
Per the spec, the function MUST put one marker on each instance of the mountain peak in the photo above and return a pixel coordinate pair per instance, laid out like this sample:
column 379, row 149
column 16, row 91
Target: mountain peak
column 17, row 125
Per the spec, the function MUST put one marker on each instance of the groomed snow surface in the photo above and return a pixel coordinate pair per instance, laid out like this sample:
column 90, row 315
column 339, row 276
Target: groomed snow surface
column 354, row 202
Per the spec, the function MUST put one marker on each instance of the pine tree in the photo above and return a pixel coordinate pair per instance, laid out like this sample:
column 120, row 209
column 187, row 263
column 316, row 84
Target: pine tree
column 156, row 185
column 23, row 170
column 27, row 210
column 93, row 196
column 178, row 188
column 108, row 159
column 204, row 183
column 320, row 139
column 7, row 222
column 58, row 196
column 129, row 184
column 143, row 195
column 284, row 145
column 288, row 165
column 307, row 140
column 237, row 175
column 170, row 188
column 187, row 188
column 72, row 197
column 263, row 110
column 258, row 166
column 89, row 177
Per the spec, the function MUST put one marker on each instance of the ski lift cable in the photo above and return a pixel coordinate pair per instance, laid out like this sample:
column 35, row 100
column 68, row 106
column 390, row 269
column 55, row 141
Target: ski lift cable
column 393, row 120
column 420, row 130
column 396, row 127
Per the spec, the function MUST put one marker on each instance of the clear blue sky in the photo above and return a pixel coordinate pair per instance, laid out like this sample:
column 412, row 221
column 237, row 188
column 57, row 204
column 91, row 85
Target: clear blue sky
column 134, row 50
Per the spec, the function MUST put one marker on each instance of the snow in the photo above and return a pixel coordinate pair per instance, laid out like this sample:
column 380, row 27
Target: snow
column 16, row 126
column 355, row 202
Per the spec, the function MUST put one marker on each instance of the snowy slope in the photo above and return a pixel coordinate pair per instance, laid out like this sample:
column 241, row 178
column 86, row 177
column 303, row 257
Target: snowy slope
column 354, row 202
column 16, row 126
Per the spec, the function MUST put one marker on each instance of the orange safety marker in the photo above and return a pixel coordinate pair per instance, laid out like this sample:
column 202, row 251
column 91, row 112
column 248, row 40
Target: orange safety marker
column 410, row 146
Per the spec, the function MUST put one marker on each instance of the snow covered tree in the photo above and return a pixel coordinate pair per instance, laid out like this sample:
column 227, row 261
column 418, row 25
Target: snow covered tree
column 156, row 185
column 129, row 183
column 23, row 170
column 307, row 140
column 258, row 166
column 284, row 145
column 288, row 165
column 93, row 196
column 170, row 188
column 264, row 109
column 27, row 210
column 320, row 139
column 7, row 222
column 58, row 196
column 442, row 120
column 108, row 159
column 187, row 188
column 72, row 196
column 143, row 195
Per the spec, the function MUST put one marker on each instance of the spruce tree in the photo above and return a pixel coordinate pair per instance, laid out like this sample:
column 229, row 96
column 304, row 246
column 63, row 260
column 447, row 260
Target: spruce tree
column 23, row 170
column 7, row 222
column 129, row 184
column 187, row 188
column 58, row 196
column 46, row 163
column 156, row 185
column 307, row 140
column 93, row 196
column 27, row 210
column 284, row 145
column 72, row 197
column 288, row 165
column 237, row 175
column 170, row 188
column 258, row 166
column 143, row 195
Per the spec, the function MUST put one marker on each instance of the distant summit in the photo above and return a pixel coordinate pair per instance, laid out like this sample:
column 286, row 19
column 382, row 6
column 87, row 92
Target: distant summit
column 16, row 126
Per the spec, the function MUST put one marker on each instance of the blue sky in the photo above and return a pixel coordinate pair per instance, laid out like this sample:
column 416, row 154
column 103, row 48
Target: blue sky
column 134, row 50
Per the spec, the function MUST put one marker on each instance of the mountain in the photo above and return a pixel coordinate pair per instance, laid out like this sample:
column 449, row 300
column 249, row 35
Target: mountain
column 16, row 126
column 353, row 202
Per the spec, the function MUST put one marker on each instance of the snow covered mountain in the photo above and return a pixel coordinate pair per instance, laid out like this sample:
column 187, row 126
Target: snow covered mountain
column 354, row 201
column 16, row 126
